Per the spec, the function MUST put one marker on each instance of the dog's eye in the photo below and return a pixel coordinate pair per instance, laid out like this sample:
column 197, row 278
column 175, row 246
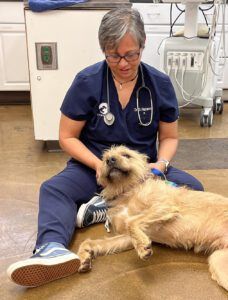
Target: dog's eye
column 126, row 155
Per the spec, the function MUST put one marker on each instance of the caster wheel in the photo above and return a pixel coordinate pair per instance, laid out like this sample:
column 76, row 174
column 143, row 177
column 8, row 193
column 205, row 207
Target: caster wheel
column 220, row 108
column 206, row 120
column 214, row 106
column 203, row 119
column 218, row 105
column 210, row 119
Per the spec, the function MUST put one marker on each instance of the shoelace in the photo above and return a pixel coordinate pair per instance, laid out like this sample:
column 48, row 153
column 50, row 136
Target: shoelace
column 99, row 216
column 39, row 249
column 50, row 250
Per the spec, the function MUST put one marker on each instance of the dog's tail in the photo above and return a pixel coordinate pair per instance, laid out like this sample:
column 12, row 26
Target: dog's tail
column 218, row 265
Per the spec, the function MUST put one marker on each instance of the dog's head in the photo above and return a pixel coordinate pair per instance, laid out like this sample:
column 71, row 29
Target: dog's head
column 122, row 168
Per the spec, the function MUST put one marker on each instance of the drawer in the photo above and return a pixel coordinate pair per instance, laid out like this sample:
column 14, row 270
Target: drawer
column 155, row 13
column 12, row 12
column 159, row 13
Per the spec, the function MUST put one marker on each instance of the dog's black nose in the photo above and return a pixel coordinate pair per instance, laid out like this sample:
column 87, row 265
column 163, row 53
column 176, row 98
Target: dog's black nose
column 111, row 161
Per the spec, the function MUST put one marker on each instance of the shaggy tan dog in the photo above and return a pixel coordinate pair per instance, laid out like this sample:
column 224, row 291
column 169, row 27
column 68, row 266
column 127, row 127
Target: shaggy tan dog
column 143, row 209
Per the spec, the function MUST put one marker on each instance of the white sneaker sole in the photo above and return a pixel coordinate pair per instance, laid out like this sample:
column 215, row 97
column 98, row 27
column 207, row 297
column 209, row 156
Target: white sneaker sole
column 37, row 271
column 82, row 210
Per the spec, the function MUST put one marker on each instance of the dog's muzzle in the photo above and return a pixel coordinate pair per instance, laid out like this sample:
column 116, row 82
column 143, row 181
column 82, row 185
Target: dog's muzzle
column 111, row 161
column 115, row 172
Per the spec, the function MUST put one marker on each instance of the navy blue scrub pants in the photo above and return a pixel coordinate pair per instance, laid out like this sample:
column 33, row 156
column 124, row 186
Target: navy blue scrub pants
column 62, row 195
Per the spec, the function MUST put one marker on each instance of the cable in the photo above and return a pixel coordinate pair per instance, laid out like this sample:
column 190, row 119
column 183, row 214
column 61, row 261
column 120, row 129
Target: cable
column 171, row 29
column 181, row 85
column 170, row 20
column 159, row 46
column 221, row 39
column 205, row 9
column 205, row 18
column 183, row 10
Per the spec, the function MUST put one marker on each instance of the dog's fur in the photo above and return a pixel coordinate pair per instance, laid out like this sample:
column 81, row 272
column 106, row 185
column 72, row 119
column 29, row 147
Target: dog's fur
column 143, row 209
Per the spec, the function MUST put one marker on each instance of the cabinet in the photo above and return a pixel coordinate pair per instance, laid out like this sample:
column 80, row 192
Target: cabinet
column 14, row 75
column 75, row 50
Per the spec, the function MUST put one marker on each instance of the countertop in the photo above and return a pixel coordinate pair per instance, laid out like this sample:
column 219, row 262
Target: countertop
column 94, row 4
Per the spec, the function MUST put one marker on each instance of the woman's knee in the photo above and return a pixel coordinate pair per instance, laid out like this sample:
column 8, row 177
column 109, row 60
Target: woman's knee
column 183, row 178
column 196, row 185
column 47, row 186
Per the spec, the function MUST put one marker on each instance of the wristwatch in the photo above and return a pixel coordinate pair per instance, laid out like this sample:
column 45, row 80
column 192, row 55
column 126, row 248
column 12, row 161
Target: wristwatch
column 165, row 162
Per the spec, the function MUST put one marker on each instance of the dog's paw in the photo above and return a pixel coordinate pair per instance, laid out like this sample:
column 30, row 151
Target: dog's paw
column 85, row 266
column 145, row 251
column 172, row 215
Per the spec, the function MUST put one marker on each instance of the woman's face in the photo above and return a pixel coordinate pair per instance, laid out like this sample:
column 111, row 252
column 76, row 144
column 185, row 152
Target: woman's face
column 125, row 70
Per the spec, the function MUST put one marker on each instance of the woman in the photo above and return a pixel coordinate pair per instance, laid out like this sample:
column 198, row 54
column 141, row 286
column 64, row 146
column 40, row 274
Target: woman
column 101, row 109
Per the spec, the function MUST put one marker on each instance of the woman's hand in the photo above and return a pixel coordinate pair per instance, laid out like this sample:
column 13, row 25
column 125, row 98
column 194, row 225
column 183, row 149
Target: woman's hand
column 98, row 172
column 98, row 169
column 159, row 166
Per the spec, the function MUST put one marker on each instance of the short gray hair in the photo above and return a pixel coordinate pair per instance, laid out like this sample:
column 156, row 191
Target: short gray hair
column 116, row 23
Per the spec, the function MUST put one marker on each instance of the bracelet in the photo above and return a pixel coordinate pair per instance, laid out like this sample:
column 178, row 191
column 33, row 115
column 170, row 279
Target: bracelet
column 164, row 161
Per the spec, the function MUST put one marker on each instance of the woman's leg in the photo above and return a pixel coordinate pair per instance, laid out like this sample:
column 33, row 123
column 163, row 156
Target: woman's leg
column 60, row 198
column 182, row 178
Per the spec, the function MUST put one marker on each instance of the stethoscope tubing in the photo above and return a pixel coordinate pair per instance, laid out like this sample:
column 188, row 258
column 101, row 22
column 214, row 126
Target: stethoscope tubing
column 109, row 117
column 137, row 100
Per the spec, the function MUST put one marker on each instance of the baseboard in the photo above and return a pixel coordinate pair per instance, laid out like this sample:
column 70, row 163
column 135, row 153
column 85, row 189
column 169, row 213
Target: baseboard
column 14, row 97
column 225, row 95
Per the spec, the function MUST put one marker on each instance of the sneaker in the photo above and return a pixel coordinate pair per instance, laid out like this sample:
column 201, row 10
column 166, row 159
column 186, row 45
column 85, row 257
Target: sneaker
column 91, row 212
column 50, row 262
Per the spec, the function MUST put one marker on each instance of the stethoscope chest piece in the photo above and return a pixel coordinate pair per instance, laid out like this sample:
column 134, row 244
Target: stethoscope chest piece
column 109, row 118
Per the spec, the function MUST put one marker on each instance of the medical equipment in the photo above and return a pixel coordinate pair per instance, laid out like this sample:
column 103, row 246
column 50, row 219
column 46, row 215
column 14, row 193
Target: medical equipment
column 137, row 100
column 192, row 62
column 109, row 118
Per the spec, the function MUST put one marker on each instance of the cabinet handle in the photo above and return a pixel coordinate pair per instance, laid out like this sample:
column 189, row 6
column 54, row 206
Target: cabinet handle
column 153, row 14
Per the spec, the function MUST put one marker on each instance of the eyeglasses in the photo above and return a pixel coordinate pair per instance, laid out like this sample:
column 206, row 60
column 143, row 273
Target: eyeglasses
column 116, row 58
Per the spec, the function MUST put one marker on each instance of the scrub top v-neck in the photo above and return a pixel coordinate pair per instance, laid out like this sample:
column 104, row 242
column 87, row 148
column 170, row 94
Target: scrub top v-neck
column 86, row 99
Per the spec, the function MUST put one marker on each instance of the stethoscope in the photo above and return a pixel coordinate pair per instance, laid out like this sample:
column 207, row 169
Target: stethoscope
column 109, row 117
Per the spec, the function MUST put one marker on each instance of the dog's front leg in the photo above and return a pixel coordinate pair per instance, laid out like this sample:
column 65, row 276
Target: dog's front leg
column 90, row 249
column 138, row 225
column 140, row 240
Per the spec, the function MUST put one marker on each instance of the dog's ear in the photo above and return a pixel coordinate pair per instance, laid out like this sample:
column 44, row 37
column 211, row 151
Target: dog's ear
column 144, row 157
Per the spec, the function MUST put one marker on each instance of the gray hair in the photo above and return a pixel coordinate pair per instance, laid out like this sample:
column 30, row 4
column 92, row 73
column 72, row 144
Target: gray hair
column 116, row 23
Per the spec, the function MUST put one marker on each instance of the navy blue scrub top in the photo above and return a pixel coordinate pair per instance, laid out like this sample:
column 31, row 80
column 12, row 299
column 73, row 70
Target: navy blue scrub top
column 86, row 99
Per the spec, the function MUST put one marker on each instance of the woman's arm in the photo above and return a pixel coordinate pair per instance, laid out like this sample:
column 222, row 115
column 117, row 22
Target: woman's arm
column 69, row 133
column 168, row 142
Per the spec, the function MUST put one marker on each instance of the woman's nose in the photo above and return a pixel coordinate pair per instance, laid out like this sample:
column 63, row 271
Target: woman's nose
column 123, row 62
